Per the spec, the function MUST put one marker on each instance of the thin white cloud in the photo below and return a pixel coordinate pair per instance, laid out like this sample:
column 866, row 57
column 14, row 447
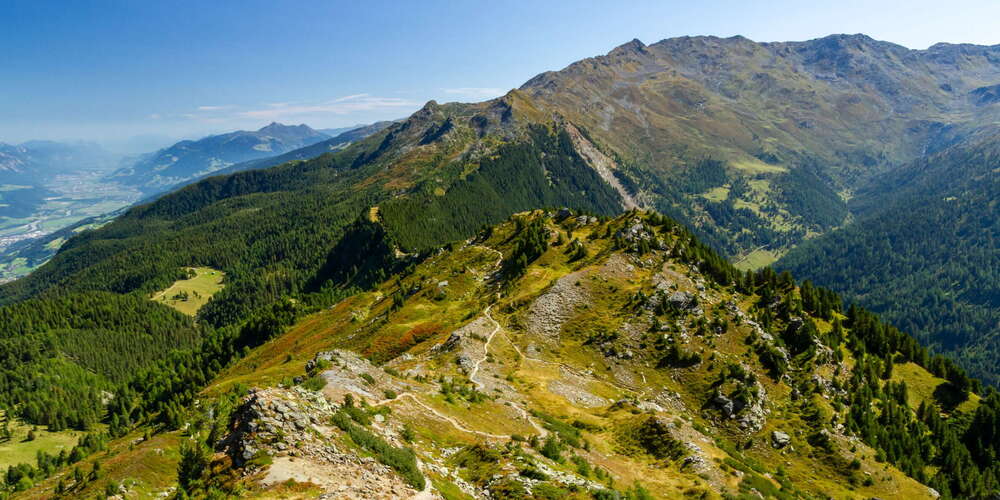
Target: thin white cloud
column 340, row 106
column 358, row 107
column 476, row 92
column 155, row 116
column 351, row 97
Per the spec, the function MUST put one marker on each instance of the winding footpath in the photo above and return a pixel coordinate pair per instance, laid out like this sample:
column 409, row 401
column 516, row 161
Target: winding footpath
column 473, row 377
column 486, row 350
column 543, row 432
column 447, row 418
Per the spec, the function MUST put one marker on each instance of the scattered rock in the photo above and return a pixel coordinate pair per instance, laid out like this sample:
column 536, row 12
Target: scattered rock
column 681, row 300
column 450, row 344
column 282, row 424
column 725, row 405
column 780, row 440
column 553, row 308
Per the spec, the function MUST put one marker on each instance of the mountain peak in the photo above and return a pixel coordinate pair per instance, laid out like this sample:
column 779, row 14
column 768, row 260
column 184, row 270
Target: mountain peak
column 278, row 127
column 858, row 41
column 632, row 47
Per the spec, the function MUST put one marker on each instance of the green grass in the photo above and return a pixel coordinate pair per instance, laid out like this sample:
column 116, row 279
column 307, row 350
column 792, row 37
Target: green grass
column 754, row 165
column 448, row 490
column 758, row 259
column 148, row 467
column 921, row 385
column 402, row 460
column 200, row 288
column 55, row 244
column 18, row 451
column 716, row 194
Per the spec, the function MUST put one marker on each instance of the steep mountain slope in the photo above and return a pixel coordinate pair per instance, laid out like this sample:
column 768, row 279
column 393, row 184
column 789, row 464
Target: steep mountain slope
column 924, row 252
column 438, row 154
column 563, row 356
column 300, row 228
column 793, row 123
column 189, row 160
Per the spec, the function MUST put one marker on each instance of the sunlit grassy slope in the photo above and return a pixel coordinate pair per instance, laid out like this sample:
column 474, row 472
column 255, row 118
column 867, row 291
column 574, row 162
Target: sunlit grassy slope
column 188, row 295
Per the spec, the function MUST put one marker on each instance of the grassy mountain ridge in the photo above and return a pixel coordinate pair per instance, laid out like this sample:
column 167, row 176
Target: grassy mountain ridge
column 569, row 355
column 281, row 231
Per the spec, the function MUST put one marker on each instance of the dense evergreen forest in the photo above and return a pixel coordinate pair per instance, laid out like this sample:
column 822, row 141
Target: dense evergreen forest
column 60, row 355
column 923, row 254
column 543, row 172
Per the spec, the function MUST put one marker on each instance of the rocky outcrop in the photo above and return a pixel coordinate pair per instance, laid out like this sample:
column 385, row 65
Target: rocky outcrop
column 265, row 415
column 680, row 300
column 780, row 440
column 287, row 430
column 748, row 408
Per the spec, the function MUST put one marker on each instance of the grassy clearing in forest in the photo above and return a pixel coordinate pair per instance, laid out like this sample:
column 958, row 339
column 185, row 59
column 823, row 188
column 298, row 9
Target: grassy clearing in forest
column 716, row 194
column 757, row 259
column 188, row 295
column 923, row 386
column 19, row 451
column 756, row 166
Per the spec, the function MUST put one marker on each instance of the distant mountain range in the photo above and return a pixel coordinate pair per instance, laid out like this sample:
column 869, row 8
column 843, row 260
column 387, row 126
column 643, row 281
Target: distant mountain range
column 334, row 132
column 187, row 160
column 343, row 139
column 36, row 162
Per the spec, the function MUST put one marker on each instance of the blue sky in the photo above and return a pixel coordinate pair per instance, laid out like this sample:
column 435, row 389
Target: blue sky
column 112, row 70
